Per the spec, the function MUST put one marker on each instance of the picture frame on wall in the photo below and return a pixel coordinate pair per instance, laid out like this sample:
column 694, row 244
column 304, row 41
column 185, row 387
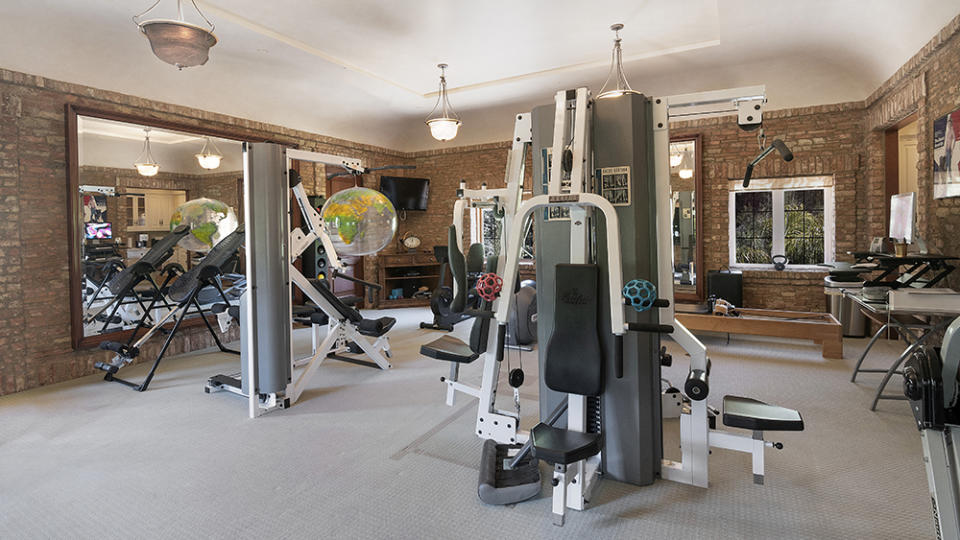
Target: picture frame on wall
column 946, row 155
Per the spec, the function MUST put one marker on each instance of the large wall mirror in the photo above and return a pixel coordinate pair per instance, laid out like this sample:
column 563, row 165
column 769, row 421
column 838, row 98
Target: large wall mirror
column 125, row 190
column 685, row 191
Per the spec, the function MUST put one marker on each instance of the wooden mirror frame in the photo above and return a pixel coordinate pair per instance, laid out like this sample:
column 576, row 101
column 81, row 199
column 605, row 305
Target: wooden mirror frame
column 698, row 219
column 74, row 213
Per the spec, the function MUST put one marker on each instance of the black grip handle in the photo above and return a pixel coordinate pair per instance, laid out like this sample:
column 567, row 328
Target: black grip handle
column 501, row 341
column 661, row 302
column 618, row 356
column 374, row 286
column 294, row 178
column 697, row 385
column 785, row 152
column 650, row 327
column 749, row 173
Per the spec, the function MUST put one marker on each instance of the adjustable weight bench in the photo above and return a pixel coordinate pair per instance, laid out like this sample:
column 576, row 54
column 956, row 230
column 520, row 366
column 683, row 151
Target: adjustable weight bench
column 347, row 332
column 183, row 293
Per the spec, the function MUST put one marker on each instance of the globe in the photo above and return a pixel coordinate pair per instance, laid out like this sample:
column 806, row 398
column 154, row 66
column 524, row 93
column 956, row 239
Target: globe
column 360, row 221
column 210, row 221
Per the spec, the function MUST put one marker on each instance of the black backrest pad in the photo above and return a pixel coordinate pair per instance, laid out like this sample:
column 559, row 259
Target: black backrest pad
column 215, row 258
column 346, row 312
column 475, row 259
column 458, row 268
column 150, row 262
column 573, row 360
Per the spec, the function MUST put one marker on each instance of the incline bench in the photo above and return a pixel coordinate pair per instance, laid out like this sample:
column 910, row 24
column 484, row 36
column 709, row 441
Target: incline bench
column 822, row 328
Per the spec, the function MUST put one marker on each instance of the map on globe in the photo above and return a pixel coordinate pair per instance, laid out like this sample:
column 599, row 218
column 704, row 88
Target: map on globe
column 346, row 212
column 209, row 221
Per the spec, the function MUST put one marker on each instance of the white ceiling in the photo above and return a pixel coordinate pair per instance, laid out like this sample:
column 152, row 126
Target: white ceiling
column 365, row 70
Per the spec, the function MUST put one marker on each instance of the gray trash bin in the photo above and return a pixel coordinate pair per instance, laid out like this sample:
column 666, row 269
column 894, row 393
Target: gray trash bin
column 845, row 310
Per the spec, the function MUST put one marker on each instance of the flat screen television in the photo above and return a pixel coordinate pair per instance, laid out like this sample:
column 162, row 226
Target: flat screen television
column 406, row 193
column 98, row 230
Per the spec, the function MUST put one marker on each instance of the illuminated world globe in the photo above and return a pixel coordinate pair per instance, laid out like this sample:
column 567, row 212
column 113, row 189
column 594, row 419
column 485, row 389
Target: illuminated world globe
column 209, row 220
column 360, row 221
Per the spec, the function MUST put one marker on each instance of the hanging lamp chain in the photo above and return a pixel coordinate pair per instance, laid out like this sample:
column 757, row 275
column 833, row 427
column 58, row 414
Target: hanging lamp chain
column 443, row 100
column 136, row 18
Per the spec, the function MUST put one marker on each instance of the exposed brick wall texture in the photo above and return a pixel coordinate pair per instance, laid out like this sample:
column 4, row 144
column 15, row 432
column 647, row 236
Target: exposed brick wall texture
column 844, row 140
column 34, row 277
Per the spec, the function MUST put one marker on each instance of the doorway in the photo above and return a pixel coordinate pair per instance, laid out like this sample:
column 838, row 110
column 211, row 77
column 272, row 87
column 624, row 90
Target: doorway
column 901, row 158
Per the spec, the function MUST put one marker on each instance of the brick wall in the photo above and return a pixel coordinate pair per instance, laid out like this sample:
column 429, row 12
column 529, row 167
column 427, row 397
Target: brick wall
column 34, row 277
column 928, row 86
column 843, row 140
column 825, row 140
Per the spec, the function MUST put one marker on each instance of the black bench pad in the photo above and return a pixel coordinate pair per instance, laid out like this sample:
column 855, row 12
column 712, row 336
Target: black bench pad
column 450, row 349
column 747, row 413
column 556, row 445
column 375, row 327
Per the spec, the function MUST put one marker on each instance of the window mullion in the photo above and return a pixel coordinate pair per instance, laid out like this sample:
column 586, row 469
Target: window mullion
column 778, row 223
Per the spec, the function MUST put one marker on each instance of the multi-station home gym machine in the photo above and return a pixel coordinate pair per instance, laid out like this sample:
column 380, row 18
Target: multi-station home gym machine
column 601, row 210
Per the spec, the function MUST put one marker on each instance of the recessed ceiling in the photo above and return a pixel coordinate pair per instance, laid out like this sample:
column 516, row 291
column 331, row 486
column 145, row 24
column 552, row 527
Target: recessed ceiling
column 365, row 70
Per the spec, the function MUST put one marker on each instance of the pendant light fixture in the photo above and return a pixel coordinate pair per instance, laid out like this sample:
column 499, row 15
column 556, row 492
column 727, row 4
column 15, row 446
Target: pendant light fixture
column 620, row 84
column 209, row 159
column 676, row 158
column 686, row 167
column 443, row 121
column 146, row 165
column 178, row 42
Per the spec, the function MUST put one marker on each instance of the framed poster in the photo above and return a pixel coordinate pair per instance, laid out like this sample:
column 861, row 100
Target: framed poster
column 615, row 185
column 946, row 155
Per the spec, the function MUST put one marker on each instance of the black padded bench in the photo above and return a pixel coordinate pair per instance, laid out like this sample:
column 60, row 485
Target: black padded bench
column 450, row 349
column 747, row 413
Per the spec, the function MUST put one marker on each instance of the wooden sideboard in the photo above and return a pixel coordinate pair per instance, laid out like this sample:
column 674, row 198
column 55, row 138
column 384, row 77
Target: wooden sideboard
column 408, row 271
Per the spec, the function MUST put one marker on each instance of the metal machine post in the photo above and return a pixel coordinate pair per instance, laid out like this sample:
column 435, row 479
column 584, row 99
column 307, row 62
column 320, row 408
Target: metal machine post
column 268, row 302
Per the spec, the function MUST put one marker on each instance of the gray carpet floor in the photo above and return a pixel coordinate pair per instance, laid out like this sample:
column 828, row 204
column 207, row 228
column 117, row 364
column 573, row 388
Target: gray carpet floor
column 376, row 454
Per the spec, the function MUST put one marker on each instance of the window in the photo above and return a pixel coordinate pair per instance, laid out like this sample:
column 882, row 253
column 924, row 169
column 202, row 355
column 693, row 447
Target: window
column 786, row 216
column 485, row 228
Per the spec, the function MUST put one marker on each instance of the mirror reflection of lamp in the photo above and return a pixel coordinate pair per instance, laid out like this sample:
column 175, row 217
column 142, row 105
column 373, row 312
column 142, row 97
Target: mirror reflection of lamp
column 686, row 166
column 675, row 159
column 207, row 158
column 146, row 165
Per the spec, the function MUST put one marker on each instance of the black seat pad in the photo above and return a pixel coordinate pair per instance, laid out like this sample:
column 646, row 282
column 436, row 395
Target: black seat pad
column 561, row 446
column 747, row 413
column 375, row 327
column 450, row 349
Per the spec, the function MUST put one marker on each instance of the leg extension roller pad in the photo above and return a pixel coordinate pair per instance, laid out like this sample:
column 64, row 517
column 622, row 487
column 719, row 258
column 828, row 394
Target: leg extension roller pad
column 501, row 486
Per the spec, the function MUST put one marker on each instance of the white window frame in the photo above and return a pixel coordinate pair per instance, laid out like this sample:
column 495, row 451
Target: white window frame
column 778, row 186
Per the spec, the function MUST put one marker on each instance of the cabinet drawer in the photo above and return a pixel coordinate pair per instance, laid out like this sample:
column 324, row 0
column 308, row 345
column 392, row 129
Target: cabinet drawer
column 396, row 260
column 425, row 258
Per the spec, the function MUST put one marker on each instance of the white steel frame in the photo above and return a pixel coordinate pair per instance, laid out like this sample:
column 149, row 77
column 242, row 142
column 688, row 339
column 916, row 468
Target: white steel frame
column 696, row 438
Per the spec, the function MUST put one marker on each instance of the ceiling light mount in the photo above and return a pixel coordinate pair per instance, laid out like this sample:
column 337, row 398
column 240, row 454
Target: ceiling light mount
column 443, row 121
column 620, row 84
column 146, row 164
column 178, row 42
column 209, row 158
